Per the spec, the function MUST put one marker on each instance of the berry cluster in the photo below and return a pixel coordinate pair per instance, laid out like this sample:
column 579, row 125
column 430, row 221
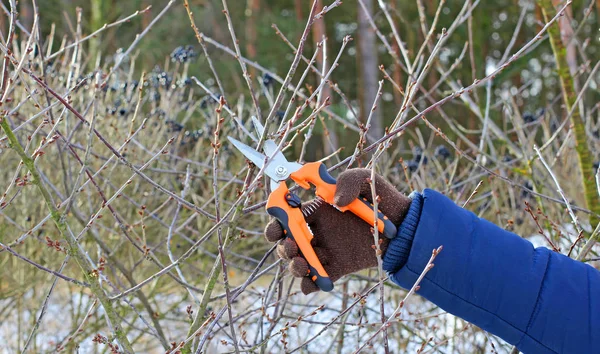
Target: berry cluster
column 418, row 158
column 120, row 93
column 159, row 78
column 184, row 82
column 208, row 101
column 529, row 117
column 173, row 126
column 183, row 54
column 192, row 136
column 441, row 153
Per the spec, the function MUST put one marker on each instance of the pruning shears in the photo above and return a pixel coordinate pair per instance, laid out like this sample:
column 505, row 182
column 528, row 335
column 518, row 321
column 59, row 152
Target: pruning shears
column 285, row 205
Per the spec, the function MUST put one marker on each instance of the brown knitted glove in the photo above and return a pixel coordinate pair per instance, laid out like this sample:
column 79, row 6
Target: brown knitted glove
column 342, row 241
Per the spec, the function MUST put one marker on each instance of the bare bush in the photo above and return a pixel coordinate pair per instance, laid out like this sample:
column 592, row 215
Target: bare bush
column 128, row 222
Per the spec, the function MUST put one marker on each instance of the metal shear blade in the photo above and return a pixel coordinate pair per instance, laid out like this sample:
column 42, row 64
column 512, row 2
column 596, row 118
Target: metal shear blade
column 269, row 147
column 278, row 168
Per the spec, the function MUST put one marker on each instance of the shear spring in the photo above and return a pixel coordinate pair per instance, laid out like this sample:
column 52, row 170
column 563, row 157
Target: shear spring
column 309, row 208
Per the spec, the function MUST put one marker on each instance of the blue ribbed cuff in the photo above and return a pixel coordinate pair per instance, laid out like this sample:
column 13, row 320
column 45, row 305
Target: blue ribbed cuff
column 398, row 249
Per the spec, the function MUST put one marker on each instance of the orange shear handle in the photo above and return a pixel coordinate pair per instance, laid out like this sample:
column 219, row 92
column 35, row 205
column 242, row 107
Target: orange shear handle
column 316, row 173
column 295, row 228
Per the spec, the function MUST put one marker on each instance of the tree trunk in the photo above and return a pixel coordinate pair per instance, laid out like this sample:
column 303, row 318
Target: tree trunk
column 329, row 136
column 299, row 12
column 97, row 14
column 318, row 33
column 252, row 11
column 368, row 71
column 566, row 33
column 26, row 13
column 397, row 74
column 569, row 94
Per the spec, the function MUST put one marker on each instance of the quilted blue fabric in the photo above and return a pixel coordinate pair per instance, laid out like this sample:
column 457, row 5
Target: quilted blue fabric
column 539, row 300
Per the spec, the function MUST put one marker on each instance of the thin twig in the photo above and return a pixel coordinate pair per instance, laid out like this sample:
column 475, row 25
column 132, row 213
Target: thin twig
column 398, row 311
column 559, row 190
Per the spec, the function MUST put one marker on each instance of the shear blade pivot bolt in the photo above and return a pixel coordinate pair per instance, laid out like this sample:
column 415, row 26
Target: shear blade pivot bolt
column 281, row 171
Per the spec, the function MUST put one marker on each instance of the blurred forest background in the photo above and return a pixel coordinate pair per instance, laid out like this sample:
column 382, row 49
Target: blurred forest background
column 492, row 29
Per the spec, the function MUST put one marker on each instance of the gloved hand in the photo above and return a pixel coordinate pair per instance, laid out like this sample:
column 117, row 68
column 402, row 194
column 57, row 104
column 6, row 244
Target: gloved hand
column 342, row 241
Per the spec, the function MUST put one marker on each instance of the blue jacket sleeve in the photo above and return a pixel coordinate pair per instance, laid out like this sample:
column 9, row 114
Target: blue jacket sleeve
column 539, row 300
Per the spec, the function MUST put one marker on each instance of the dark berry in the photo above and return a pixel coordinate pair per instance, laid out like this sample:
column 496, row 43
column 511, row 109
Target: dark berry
column 197, row 134
column 158, row 112
column 417, row 153
column 442, row 152
column 115, row 108
column 154, row 96
column 267, row 79
column 193, row 135
column 529, row 117
column 412, row 165
column 184, row 82
column 529, row 186
column 81, row 78
column 173, row 126
column 540, row 112
column 573, row 205
column 208, row 100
